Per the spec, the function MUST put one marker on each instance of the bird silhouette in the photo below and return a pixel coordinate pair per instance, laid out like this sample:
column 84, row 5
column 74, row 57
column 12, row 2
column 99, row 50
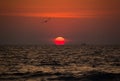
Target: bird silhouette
column 45, row 20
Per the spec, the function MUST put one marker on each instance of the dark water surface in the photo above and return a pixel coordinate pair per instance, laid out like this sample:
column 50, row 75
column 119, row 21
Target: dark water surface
column 59, row 63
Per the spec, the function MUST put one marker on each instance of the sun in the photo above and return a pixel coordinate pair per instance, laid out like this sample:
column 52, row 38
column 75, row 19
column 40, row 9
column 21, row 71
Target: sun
column 59, row 41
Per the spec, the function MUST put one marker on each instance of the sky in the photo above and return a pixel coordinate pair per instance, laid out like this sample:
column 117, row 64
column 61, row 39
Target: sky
column 78, row 21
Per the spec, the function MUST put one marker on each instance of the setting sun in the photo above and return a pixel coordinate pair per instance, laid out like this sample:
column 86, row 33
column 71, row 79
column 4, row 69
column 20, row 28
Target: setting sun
column 59, row 41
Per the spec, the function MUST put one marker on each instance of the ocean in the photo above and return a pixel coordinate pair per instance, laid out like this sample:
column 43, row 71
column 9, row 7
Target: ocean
column 59, row 63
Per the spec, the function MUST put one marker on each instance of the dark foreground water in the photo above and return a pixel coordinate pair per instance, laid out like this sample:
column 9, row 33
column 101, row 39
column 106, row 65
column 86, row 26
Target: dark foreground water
column 59, row 63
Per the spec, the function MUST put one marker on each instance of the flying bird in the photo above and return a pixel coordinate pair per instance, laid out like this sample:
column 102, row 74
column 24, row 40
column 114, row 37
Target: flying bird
column 45, row 20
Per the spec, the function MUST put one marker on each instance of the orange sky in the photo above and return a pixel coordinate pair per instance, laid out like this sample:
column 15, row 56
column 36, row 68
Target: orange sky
column 37, row 21
column 59, row 8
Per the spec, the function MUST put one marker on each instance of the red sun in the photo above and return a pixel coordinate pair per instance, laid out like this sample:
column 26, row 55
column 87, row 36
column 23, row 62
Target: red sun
column 59, row 41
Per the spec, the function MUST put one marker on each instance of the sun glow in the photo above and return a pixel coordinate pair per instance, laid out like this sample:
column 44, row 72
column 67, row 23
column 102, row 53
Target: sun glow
column 59, row 41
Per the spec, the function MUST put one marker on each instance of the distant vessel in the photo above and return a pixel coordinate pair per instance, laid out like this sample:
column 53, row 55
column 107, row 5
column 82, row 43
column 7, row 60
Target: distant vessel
column 83, row 44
